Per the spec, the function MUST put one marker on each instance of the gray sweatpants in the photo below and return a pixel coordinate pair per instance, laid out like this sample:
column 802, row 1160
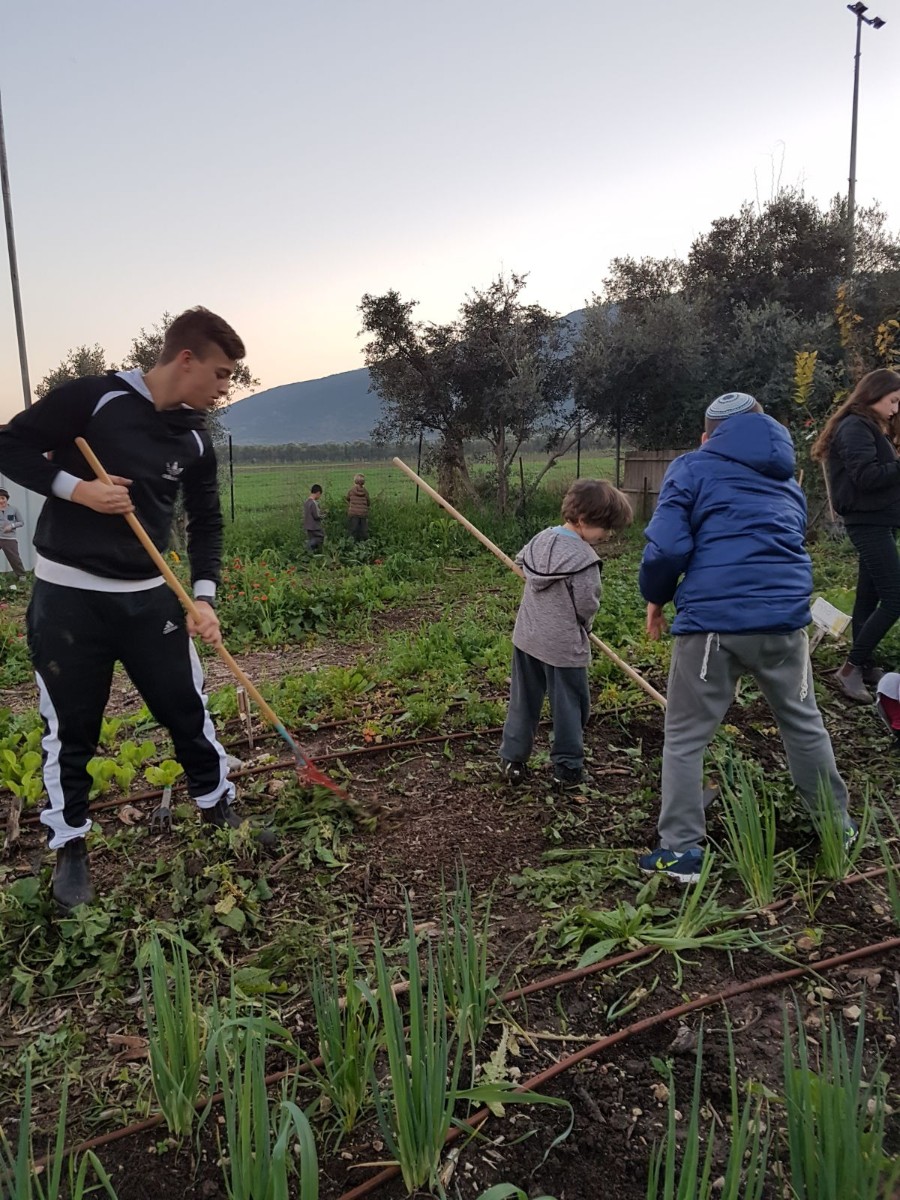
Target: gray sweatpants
column 702, row 678
column 570, row 706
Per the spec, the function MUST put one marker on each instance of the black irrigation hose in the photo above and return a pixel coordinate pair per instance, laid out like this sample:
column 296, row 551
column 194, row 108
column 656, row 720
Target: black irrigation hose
column 529, row 989
column 32, row 818
column 536, row 1081
column 288, row 764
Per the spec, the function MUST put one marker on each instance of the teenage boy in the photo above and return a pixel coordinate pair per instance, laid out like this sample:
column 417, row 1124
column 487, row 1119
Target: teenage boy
column 10, row 521
column 312, row 520
column 551, row 649
column 730, row 525
column 97, row 598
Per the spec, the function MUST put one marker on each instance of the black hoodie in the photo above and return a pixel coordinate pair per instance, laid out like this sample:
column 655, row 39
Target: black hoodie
column 160, row 451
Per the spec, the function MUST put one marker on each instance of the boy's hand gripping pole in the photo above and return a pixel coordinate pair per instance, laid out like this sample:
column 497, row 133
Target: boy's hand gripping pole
column 307, row 771
column 504, row 558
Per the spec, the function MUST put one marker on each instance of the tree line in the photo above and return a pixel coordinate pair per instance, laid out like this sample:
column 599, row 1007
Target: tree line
column 762, row 303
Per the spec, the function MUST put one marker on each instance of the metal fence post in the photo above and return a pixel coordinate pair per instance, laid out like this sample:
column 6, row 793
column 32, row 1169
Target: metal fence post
column 231, row 475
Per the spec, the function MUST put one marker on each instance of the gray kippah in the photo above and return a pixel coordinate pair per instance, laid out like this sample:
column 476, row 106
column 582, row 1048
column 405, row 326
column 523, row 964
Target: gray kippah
column 730, row 405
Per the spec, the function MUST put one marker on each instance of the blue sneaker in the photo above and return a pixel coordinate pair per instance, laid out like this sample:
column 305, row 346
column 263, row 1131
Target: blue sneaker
column 684, row 867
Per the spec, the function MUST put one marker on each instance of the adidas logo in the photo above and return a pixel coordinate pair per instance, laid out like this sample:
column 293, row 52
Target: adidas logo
column 169, row 627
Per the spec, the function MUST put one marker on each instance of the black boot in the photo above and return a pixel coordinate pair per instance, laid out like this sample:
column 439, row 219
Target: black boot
column 223, row 816
column 71, row 877
column 567, row 779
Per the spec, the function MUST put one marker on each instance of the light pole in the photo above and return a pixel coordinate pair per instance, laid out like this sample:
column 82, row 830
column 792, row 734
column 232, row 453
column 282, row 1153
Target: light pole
column 859, row 10
column 13, row 264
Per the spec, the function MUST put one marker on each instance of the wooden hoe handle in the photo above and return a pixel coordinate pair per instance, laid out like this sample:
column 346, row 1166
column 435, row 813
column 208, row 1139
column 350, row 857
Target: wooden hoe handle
column 175, row 584
column 504, row 558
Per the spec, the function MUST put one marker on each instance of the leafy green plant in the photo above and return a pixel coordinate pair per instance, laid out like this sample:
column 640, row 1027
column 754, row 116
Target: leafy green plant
column 700, row 922
column 805, row 884
column 748, row 816
column 626, row 924
column 506, row 1191
column 835, row 1119
column 15, row 666
column 469, row 987
column 21, row 774
column 348, row 1034
column 258, row 1160
column 19, row 1180
column 691, row 1178
column 424, row 1069
column 176, row 1033
column 892, row 867
column 110, row 727
column 836, row 859
column 416, row 1110
column 103, row 773
column 164, row 774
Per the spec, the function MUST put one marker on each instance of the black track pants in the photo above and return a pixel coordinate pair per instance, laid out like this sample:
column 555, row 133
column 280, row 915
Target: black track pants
column 75, row 638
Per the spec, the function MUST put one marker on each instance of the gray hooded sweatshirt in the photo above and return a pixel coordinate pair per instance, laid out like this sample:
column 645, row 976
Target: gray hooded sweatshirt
column 561, row 598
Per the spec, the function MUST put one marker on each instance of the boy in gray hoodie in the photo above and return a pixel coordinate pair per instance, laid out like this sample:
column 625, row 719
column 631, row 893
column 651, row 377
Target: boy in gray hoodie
column 551, row 650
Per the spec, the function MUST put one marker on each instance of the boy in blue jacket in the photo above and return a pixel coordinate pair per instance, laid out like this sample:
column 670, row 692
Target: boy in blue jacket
column 730, row 525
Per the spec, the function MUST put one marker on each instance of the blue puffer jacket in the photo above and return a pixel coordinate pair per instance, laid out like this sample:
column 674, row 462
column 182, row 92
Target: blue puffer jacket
column 731, row 520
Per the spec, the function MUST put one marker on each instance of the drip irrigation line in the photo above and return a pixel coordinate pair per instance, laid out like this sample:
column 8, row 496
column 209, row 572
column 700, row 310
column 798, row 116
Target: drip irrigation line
column 287, row 764
column 542, row 985
column 578, row 973
column 154, row 1122
column 539, row 985
column 158, row 1119
column 564, row 1064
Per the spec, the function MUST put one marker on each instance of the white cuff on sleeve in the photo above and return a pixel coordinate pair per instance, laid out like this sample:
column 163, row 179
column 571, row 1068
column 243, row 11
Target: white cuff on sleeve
column 65, row 484
column 204, row 588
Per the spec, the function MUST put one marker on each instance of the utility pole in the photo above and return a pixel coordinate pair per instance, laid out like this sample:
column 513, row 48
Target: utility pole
column 858, row 10
column 13, row 263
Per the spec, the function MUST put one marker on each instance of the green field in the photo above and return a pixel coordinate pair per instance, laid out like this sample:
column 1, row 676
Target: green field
column 280, row 488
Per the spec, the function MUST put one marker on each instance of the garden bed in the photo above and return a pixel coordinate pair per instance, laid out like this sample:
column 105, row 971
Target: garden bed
column 544, row 862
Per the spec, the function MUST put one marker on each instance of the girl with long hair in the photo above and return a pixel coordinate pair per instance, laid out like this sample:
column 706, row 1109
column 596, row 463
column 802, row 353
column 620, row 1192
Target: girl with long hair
column 864, row 478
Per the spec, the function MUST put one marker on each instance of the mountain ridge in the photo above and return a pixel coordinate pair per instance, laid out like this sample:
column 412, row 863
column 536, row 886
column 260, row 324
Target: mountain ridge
column 334, row 408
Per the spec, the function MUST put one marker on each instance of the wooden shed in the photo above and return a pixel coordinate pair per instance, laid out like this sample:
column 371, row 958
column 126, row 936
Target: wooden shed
column 643, row 476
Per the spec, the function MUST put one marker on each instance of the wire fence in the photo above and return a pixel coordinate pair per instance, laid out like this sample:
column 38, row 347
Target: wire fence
column 266, row 489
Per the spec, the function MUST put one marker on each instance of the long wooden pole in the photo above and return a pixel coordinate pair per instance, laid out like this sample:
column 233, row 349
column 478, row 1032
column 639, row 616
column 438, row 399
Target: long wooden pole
column 187, row 601
column 504, row 558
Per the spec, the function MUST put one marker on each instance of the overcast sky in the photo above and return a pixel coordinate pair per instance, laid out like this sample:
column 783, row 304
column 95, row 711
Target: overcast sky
column 274, row 160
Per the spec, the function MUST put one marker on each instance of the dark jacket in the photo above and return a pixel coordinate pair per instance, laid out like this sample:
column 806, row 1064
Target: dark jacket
column 731, row 525
column 864, row 474
column 161, row 452
column 312, row 516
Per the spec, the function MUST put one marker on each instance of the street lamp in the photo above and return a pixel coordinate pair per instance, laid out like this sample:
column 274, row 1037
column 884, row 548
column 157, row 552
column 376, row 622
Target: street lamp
column 859, row 10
